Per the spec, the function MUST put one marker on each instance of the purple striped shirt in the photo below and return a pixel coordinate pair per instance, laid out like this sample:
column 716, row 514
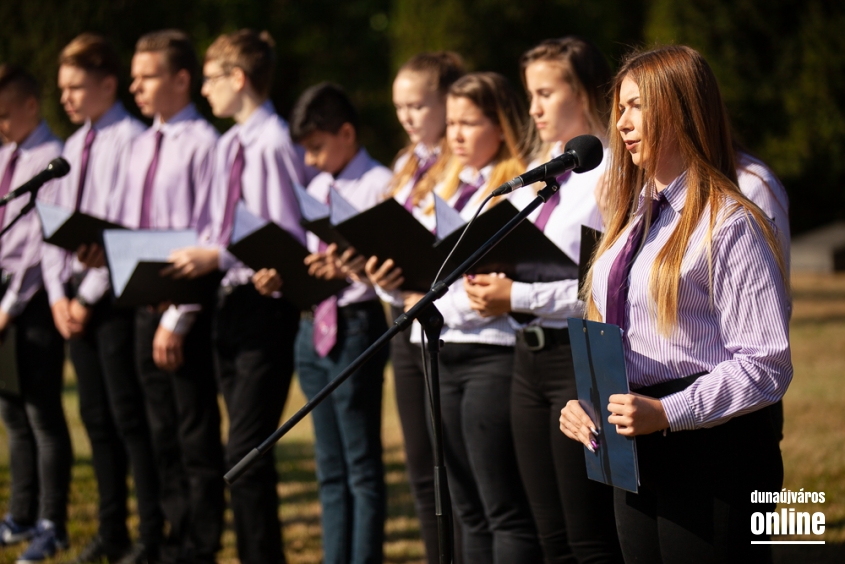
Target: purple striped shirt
column 738, row 333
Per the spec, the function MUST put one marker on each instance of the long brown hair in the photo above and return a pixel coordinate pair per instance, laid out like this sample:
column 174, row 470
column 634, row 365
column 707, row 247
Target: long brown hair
column 681, row 105
column 499, row 102
column 584, row 68
column 442, row 68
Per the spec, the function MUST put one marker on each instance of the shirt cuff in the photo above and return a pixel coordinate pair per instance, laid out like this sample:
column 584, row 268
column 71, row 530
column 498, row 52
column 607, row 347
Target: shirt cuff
column 180, row 319
column 392, row 297
column 11, row 305
column 521, row 297
column 678, row 412
column 225, row 260
column 55, row 290
column 94, row 286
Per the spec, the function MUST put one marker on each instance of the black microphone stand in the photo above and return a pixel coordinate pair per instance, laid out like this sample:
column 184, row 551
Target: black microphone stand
column 432, row 322
column 30, row 205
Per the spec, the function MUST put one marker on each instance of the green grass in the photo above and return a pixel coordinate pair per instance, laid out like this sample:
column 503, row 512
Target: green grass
column 814, row 457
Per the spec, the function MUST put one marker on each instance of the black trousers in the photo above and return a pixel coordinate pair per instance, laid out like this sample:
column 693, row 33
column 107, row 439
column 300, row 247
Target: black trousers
column 111, row 403
column 481, row 464
column 413, row 405
column 185, row 423
column 694, row 504
column 574, row 515
column 253, row 340
column 40, row 453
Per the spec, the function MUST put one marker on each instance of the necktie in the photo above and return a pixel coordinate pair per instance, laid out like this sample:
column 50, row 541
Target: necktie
column 83, row 165
column 146, row 201
column 551, row 203
column 617, row 282
column 325, row 316
column 6, row 183
column 423, row 167
column 467, row 190
column 235, row 191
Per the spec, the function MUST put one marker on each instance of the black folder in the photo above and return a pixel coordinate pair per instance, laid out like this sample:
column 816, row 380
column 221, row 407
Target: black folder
column 260, row 243
column 388, row 230
column 70, row 229
column 136, row 259
column 316, row 218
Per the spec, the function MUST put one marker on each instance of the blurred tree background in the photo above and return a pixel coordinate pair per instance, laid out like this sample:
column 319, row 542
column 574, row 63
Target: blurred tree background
column 781, row 64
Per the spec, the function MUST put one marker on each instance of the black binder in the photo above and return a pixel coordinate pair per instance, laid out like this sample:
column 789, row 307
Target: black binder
column 316, row 219
column 260, row 243
column 136, row 259
column 70, row 229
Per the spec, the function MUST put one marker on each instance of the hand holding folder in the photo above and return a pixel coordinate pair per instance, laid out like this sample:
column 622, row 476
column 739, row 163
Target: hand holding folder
column 599, row 363
column 136, row 260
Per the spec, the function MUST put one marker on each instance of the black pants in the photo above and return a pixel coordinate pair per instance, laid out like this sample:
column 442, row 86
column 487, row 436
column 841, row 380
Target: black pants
column 111, row 403
column 254, row 338
column 694, row 503
column 40, row 454
column 480, row 460
column 185, row 424
column 413, row 405
column 574, row 515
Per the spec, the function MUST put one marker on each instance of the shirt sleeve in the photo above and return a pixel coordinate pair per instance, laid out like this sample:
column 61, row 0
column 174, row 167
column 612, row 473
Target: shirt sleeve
column 548, row 300
column 456, row 310
column 27, row 280
column 180, row 319
column 95, row 284
column 750, row 299
column 392, row 297
column 53, row 267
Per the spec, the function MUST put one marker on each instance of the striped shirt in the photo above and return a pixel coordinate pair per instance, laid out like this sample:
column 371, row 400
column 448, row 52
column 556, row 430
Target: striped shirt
column 740, row 338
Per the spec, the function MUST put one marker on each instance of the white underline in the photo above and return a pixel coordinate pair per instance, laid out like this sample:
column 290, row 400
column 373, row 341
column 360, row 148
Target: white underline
column 787, row 542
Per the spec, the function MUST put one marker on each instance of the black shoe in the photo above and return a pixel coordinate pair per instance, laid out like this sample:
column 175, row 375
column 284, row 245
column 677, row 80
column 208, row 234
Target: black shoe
column 140, row 554
column 98, row 551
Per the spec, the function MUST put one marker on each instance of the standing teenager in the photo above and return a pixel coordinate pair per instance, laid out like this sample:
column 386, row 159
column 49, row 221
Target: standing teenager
column 347, row 424
column 419, row 96
column 692, row 272
column 164, row 184
column 101, row 337
column 566, row 80
column 39, row 445
column 254, row 335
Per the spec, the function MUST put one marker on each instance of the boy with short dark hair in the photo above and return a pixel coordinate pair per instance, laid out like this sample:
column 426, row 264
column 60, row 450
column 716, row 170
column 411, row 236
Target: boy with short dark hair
column 39, row 445
column 165, row 182
column 347, row 424
column 102, row 337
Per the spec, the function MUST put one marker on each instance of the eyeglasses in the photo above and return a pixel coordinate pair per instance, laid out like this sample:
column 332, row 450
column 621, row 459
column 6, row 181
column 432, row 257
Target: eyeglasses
column 212, row 79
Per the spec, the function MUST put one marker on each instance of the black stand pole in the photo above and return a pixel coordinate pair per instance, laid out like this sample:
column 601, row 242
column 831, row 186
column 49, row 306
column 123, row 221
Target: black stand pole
column 443, row 505
column 30, row 205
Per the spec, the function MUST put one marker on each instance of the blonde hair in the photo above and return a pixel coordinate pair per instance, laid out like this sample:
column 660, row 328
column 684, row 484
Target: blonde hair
column 681, row 105
column 443, row 68
column 250, row 51
column 584, row 68
column 499, row 102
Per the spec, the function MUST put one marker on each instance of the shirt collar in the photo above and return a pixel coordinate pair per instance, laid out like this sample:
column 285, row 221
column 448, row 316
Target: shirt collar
column 178, row 122
column 251, row 128
column 477, row 178
column 424, row 154
column 114, row 114
column 556, row 151
column 38, row 136
column 356, row 168
column 675, row 194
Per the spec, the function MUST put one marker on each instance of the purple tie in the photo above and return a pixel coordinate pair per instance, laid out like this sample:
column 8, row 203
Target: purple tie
column 551, row 203
column 6, row 183
column 325, row 315
column 423, row 167
column 146, row 201
column 467, row 190
column 83, row 165
column 235, row 191
column 617, row 282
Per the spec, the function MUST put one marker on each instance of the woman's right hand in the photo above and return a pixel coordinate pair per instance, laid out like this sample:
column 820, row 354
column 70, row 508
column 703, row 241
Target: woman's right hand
column 385, row 276
column 577, row 425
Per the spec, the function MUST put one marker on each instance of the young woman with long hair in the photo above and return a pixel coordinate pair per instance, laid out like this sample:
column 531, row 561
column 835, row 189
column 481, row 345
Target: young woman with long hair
column 692, row 272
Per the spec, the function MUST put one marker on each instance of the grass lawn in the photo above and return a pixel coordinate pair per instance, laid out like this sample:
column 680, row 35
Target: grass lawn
column 813, row 449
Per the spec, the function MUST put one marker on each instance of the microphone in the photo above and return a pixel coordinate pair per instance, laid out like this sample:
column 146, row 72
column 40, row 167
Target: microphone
column 581, row 154
column 57, row 168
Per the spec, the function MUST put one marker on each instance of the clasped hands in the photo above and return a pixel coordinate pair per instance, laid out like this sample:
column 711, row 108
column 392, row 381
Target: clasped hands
column 632, row 415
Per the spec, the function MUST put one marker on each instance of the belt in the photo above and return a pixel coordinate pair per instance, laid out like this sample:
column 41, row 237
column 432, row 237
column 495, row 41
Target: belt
column 537, row 338
column 664, row 389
